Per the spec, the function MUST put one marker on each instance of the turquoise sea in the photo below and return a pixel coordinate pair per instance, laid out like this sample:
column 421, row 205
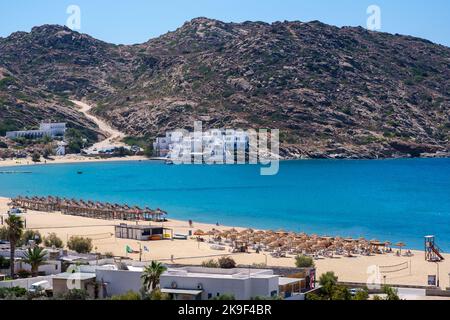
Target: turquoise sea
column 395, row 200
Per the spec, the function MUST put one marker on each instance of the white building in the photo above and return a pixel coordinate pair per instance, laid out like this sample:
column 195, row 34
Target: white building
column 214, row 145
column 45, row 130
column 61, row 149
column 197, row 283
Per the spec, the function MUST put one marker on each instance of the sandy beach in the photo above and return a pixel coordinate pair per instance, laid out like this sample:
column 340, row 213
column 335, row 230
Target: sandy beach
column 66, row 159
column 191, row 252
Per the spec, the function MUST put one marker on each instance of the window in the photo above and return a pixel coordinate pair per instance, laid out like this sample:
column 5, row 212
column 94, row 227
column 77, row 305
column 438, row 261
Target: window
column 218, row 294
column 209, row 296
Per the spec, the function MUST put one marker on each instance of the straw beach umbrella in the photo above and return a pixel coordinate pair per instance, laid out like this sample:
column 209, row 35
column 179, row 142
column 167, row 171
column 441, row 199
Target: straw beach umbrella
column 400, row 245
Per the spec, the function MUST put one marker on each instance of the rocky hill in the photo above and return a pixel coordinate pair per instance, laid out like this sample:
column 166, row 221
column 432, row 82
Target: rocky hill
column 332, row 92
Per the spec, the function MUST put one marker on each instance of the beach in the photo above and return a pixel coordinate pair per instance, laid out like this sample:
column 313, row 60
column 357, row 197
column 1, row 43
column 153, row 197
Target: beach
column 353, row 269
column 67, row 159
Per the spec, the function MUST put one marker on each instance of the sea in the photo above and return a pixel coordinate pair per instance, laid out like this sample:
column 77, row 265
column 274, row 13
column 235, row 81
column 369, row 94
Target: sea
column 388, row 200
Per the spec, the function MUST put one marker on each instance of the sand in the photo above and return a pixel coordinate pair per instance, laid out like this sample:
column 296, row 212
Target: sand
column 191, row 252
column 66, row 159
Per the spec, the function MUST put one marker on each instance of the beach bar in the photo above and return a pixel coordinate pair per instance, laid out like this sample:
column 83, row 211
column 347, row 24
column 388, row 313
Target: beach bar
column 142, row 233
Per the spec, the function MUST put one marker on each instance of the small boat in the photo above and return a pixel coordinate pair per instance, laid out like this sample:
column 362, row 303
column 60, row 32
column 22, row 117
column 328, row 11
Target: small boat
column 79, row 172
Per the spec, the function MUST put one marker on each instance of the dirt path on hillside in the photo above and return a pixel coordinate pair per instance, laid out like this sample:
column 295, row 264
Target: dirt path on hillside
column 114, row 137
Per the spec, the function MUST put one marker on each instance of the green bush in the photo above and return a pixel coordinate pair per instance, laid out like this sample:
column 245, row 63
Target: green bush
column 53, row 240
column 304, row 262
column 80, row 244
column 7, row 81
column 3, row 233
column 109, row 255
column 227, row 263
column 36, row 157
column 391, row 293
column 130, row 295
column 225, row 297
column 31, row 235
column 157, row 295
column 7, row 125
column 14, row 292
column 4, row 263
column 210, row 264
column 74, row 294
column 23, row 274
column 362, row 295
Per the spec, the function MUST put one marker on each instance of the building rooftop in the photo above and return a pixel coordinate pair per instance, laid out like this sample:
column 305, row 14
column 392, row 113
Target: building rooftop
column 237, row 273
column 74, row 276
column 140, row 227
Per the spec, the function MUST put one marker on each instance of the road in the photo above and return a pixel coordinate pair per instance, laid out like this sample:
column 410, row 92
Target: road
column 114, row 137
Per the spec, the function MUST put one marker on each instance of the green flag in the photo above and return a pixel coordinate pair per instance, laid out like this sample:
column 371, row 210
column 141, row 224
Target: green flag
column 129, row 250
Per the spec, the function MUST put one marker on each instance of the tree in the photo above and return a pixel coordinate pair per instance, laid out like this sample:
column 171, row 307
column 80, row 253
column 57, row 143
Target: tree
column 391, row 293
column 36, row 157
column 210, row 264
column 151, row 275
column 31, row 235
column 48, row 151
column 341, row 293
column 53, row 240
column 227, row 263
column 80, row 244
column 148, row 150
column 15, row 229
column 35, row 257
column 304, row 262
column 362, row 295
column 328, row 281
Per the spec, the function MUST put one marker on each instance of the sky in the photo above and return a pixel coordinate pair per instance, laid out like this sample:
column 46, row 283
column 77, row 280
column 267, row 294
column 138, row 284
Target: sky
column 136, row 21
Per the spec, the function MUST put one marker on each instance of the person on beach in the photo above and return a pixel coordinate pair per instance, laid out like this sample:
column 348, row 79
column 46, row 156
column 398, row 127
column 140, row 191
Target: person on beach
column 191, row 224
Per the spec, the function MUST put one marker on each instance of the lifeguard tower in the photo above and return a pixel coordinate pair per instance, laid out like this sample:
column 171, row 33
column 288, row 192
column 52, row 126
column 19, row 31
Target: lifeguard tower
column 432, row 251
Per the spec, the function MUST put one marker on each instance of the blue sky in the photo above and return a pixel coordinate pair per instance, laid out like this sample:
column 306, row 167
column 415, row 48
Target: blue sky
column 136, row 21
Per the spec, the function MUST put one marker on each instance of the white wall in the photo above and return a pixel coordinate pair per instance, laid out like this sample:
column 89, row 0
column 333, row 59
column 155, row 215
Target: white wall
column 120, row 282
column 25, row 283
column 242, row 289
column 53, row 267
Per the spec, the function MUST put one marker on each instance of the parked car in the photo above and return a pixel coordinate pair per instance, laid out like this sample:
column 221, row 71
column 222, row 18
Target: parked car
column 14, row 211
column 40, row 287
column 354, row 291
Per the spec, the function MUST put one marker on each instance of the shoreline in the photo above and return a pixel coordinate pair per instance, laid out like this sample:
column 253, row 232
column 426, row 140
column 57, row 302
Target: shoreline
column 72, row 159
column 349, row 269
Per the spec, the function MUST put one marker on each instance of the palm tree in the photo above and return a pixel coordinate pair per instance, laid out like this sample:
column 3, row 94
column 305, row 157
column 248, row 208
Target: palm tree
column 15, row 229
column 35, row 257
column 152, row 274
